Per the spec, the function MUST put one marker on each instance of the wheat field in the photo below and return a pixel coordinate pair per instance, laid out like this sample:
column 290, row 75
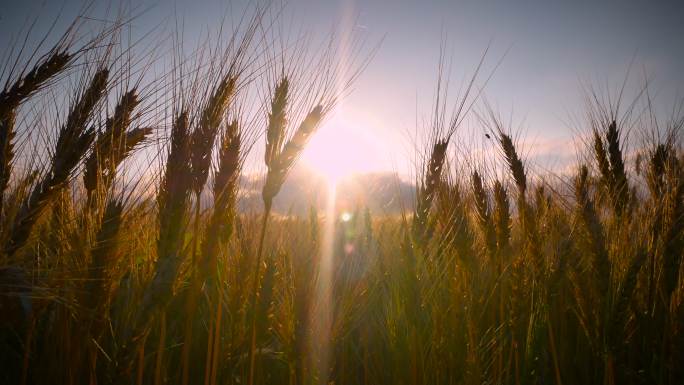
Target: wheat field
column 125, row 257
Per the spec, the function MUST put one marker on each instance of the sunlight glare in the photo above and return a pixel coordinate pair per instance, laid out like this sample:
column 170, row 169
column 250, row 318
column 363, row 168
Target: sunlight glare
column 342, row 148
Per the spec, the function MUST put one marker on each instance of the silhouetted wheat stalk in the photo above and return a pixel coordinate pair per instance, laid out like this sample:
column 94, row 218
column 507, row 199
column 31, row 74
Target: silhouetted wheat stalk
column 608, row 157
column 528, row 218
column 73, row 142
column 673, row 220
column 656, row 170
column 112, row 146
column 277, row 122
column 453, row 214
column 104, row 255
column 483, row 215
column 593, row 229
column 617, row 167
column 220, row 226
column 502, row 230
column 283, row 162
column 11, row 98
column 204, row 135
column 502, row 218
column 202, row 143
column 427, row 190
column 279, row 160
column 172, row 201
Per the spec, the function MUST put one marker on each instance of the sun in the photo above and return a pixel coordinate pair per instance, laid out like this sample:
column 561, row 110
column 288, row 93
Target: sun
column 344, row 147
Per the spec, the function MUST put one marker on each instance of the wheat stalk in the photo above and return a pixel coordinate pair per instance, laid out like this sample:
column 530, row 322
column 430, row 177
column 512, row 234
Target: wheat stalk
column 673, row 222
column 453, row 212
column 72, row 143
column 502, row 218
column 483, row 215
column 502, row 226
column 104, row 255
column 204, row 135
column 528, row 218
column 515, row 165
column 11, row 98
column 113, row 145
column 277, row 122
column 278, row 164
column 202, row 143
column 620, row 311
column 656, row 170
column 283, row 162
column 427, row 189
column 220, row 225
column 608, row 157
column 593, row 230
column 601, row 158
column 172, row 201
column 620, row 188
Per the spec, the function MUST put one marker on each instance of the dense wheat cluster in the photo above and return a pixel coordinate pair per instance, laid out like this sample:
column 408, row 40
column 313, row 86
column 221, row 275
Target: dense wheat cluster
column 492, row 275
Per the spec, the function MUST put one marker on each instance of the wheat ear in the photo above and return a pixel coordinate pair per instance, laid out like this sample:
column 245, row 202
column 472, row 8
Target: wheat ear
column 428, row 189
column 204, row 135
column 112, row 145
column 278, row 167
column 483, row 215
column 72, row 143
column 11, row 99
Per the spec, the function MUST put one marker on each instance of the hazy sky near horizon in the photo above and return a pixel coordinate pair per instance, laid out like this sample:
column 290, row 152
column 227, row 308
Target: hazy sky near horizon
column 551, row 48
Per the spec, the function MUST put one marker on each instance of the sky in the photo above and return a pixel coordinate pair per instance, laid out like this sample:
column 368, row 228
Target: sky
column 542, row 53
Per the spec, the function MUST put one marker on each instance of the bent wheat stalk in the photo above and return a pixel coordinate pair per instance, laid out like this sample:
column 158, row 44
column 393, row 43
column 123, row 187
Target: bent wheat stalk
column 279, row 162
column 11, row 98
column 72, row 143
